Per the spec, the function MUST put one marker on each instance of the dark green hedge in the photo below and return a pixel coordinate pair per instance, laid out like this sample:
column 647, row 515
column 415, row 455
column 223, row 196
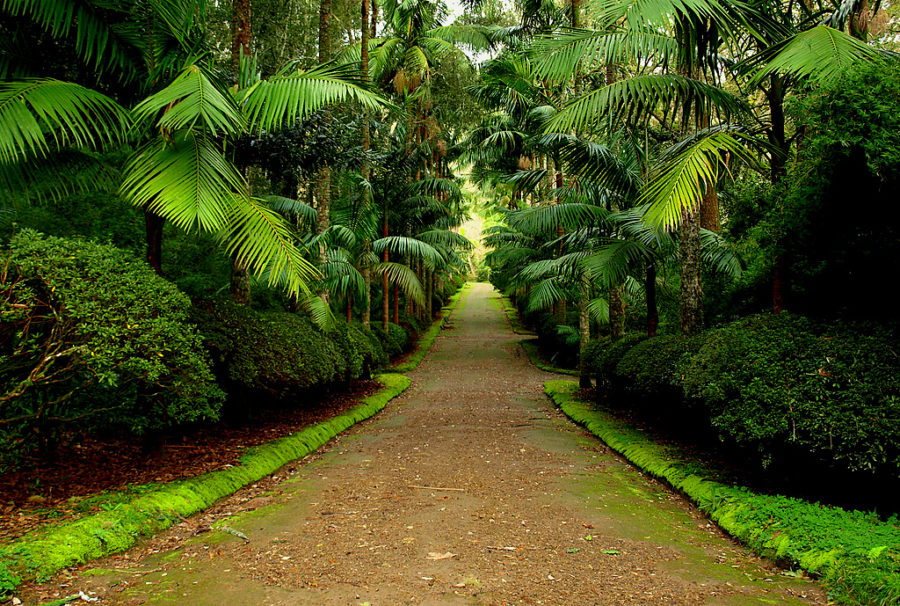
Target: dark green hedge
column 122, row 352
column 282, row 354
column 775, row 384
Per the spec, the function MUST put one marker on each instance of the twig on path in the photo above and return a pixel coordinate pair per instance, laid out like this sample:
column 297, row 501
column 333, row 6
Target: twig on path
column 439, row 488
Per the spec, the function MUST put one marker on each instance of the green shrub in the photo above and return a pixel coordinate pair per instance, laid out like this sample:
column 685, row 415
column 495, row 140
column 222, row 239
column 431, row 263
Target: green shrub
column 395, row 341
column 602, row 358
column 282, row 354
column 773, row 380
column 122, row 352
column 649, row 370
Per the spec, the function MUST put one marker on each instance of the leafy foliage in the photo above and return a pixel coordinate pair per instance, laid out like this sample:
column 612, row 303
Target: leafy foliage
column 94, row 336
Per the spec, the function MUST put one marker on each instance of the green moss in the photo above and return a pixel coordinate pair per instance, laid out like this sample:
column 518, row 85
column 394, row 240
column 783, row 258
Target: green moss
column 534, row 355
column 39, row 554
column 512, row 315
column 428, row 337
column 856, row 554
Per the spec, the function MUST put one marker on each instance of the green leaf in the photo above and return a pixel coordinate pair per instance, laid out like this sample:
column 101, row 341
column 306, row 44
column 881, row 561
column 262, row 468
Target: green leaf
column 40, row 116
column 261, row 240
column 191, row 101
column 187, row 182
column 289, row 97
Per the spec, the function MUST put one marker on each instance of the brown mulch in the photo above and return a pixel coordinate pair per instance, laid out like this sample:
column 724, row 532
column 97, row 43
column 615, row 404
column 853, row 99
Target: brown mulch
column 42, row 491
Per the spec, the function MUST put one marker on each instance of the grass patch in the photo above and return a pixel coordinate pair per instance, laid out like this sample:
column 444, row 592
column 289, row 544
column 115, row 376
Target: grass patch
column 427, row 339
column 512, row 315
column 43, row 552
column 537, row 358
column 856, row 555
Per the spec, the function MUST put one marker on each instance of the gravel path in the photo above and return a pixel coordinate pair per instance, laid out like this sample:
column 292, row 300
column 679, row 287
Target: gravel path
column 468, row 489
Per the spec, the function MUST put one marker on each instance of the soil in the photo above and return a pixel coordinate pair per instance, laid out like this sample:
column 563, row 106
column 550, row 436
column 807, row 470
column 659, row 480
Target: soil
column 468, row 489
column 53, row 490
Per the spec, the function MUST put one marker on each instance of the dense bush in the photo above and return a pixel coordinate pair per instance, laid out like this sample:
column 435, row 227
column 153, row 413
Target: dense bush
column 602, row 357
column 393, row 342
column 780, row 385
column 282, row 354
column 832, row 390
column 649, row 369
column 92, row 335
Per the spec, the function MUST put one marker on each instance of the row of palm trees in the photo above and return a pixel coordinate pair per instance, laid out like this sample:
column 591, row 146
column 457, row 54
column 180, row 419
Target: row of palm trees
column 182, row 110
column 621, row 132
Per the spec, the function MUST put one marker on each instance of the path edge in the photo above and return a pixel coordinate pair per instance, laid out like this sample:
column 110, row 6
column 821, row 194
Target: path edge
column 423, row 345
column 857, row 576
column 44, row 552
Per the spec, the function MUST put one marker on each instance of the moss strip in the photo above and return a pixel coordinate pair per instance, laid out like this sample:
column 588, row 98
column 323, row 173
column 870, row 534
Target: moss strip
column 39, row 554
column 428, row 337
column 856, row 554
column 534, row 355
column 512, row 315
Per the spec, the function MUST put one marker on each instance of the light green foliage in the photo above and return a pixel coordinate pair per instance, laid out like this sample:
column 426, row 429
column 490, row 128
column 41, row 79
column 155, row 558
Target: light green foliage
column 43, row 552
column 856, row 554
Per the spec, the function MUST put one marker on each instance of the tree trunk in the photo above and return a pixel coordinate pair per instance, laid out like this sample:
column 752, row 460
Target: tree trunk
column 386, row 288
column 240, row 283
column 584, row 329
column 241, row 32
column 374, row 18
column 650, row 294
column 691, row 286
column 364, row 169
column 323, row 176
column 616, row 312
column 396, row 304
column 779, row 283
column 153, row 224
column 349, row 307
column 561, row 309
column 777, row 164
column 859, row 21
column 429, row 294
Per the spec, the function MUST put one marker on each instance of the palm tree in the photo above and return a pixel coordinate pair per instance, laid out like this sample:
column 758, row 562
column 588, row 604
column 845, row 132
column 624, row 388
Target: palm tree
column 179, row 172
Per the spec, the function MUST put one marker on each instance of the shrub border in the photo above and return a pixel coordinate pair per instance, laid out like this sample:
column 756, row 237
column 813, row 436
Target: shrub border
column 785, row 530
column 512, row 316
column 46, row 551
column 424, row 343
column 534, row 355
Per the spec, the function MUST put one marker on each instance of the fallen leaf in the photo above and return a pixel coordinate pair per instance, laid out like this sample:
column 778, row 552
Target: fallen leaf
column 433, row 555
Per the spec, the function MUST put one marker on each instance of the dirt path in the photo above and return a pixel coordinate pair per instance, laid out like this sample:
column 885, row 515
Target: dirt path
column 469, row 489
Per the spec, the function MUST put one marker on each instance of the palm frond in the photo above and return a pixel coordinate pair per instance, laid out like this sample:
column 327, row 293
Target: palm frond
column 631, row 98
column 42, row 115
column 720, row 255
column 548, row 219
column 288, row 97
column 404, row 277
column 445, row 238
column 819, row 53
column 409, row 247
column 187, row 182
column 192, row 100
column 680, row 184
column 261, row 240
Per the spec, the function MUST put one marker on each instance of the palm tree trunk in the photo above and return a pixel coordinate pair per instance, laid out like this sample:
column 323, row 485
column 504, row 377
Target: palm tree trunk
column 364, row 169
column 650, row 294
column 616, row 312
column 374, row 18
column 323, row 176
column 241, row 31
column 153, row 224
column 691, row 285
column 385, row 287
column 240, row 283
column 349, row 307
column 584, row 330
